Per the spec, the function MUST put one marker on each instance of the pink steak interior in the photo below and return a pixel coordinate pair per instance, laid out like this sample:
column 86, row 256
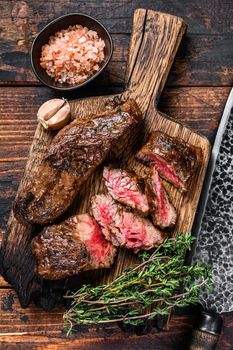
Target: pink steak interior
column 91, row 232
column 133, row 230
column 124, row 188
column 158, row 189
column 166, row 171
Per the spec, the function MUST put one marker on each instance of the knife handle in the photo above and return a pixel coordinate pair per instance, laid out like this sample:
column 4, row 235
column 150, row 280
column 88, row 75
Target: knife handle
column 203, row 340
column 207, row 329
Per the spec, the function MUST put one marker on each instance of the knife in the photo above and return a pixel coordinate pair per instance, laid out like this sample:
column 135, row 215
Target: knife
column 213, row 227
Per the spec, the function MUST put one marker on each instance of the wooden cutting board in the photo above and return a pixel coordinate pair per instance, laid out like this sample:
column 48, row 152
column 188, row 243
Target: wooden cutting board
column 154, row 43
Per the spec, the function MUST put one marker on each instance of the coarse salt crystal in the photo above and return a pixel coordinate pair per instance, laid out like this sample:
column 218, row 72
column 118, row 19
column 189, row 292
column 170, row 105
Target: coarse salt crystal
column 72, row 55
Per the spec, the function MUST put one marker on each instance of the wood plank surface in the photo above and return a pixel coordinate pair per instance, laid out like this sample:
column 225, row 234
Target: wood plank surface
column 204, row 59
column 30, row 16
column 199, row 108
column 33, row 328
column 155, row 35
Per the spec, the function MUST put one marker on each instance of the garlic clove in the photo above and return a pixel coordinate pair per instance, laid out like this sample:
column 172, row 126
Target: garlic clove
column 60, row 119
column 49, row 108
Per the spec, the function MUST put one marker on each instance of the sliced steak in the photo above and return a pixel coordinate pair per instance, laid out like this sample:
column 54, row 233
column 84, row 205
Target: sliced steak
column 174, row 159
column 124, row 228
column 105, row 210
column 162, row 211
column 74, row 154
column 68, row 248
column 136, row 232
column 123, row 187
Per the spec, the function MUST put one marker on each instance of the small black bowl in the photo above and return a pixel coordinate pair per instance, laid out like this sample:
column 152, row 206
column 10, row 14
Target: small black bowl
column 56, row 25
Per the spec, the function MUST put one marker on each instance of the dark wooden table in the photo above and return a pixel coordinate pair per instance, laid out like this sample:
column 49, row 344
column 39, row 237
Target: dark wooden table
column 195, row 94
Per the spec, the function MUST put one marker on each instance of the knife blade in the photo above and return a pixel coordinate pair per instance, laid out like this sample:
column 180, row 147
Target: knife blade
column 213, row 227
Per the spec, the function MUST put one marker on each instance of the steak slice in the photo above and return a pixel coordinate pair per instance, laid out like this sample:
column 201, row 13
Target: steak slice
column 124, row 228
column 72, row 157
column 163, row 212
column 105, row 210
column 123, row 187
column 174, row 159
column 68, row 248
column 136, row 232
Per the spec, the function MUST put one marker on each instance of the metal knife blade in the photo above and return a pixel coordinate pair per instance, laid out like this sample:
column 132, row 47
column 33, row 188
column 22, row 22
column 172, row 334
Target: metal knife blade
column 213, row 224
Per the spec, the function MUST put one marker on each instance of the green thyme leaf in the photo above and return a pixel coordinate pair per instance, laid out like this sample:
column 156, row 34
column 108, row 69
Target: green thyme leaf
column 158, row 283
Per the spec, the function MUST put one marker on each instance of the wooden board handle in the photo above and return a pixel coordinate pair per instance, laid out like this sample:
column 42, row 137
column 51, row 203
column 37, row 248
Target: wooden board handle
column 203, row 340
column 155, row 39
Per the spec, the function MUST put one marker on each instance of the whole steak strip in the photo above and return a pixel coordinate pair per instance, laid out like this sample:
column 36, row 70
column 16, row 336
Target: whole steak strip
column 123, row 187
column 174, row 159
column 124, row 228
column 162, row 210
column 68, row 248
column 72, row 157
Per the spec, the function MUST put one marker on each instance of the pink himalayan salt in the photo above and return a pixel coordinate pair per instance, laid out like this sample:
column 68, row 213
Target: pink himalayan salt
column 72, row 55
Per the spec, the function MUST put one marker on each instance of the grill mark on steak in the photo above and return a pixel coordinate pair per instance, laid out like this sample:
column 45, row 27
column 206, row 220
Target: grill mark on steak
column 174, row 159
column 123, row 187
column 72, row 157
column 162, row 211
column 124, row 228
column 68, row 248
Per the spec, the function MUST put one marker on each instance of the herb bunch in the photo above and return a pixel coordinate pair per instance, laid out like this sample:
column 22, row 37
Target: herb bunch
column 154, row 284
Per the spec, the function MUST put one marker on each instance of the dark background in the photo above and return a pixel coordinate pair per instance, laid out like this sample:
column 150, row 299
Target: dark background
column 195, row 94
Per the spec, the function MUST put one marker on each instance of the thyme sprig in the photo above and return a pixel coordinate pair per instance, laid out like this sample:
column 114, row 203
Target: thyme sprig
column 154, row 284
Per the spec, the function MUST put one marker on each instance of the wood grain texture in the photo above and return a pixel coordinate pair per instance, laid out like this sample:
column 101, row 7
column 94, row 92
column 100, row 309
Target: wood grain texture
column 200, row 108
column 205, row 58
column 28, row 17
column 33, row 328
column 155, row 40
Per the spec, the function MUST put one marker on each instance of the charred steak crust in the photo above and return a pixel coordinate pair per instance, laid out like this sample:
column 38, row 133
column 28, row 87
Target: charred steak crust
column 68, row 248
column 72, row 157
column 57, row 253
column 174, row 159
column 162, row 210
column 124, row 187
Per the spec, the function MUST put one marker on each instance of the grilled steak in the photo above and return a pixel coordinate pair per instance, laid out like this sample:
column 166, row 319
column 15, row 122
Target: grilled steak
column 68, row 248
column 174, row 159
column 74, row 154
column 163, row 212
column 123, row 187
column 124, row 228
